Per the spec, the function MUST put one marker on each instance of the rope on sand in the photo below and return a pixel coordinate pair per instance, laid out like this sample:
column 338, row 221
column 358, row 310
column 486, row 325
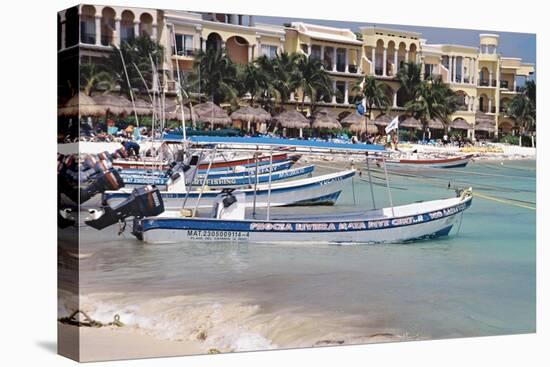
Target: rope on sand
column 88, row 321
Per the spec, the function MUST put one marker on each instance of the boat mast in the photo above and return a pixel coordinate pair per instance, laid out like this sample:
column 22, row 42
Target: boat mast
column 255, row 184
column 269, row 182
column 204, row 180
column 370, row 182
column 388, row 185
column 129, row 86
column 180, row 87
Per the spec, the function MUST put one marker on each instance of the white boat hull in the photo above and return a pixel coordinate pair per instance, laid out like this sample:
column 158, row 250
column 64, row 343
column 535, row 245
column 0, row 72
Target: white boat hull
column 407, row 223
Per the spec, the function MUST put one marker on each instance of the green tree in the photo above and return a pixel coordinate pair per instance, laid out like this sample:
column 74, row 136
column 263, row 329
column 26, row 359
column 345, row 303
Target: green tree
column 137, row 54
column 216, row 75
column 522, row 108
column 254, row 80
column 281, row 72
column 433, row 99
column 95, row 77
column 374, row 94
column 409, row 76
column 312, row 79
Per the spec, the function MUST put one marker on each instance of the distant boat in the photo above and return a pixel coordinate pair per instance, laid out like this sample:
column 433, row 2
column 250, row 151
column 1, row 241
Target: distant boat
column 454, row 162
column 319, row 190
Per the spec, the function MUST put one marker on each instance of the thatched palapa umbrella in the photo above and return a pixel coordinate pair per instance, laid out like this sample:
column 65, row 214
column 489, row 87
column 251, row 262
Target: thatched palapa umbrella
column 251, row 115
column 325, row 119
column 436, row 124
column 411, row 122
column 79, row 104
column 113, row 104
column 292, row 120
column 359, row 124
column 485, row 126
column 459, row 124
column 209, row 112
column 383, row 120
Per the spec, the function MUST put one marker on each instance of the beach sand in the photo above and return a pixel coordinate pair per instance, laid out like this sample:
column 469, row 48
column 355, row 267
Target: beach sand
column 111, row 343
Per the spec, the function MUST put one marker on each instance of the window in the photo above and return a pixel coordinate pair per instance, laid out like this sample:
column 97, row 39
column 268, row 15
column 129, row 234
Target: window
column 269, row 51
column 184, row 44
column 87, row 31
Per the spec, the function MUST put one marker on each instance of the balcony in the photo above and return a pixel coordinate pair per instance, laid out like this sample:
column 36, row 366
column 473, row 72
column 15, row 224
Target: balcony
column 504, row 84
column 353, row 69
column 485, row 83
column 187, row 52
column 88, row 38
column 106, row 40
column 341, row 67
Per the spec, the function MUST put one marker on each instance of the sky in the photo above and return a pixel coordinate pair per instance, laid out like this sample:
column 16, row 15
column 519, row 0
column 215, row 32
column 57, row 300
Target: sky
column 510, row 44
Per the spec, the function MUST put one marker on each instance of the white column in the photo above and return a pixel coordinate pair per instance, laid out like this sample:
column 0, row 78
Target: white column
column 322, row 57
column 385, row 62
column 462, row 70
column 250, row 51
column 490, row 77
column 334, row 58
column 394, row 99
column 223, row 44
column 515, row 83
column 203, row 44
column 472, row 71
column 450, row 69
column 406, row 55
column 394, row 61
column 476, row 74
column 98, row 30
column 281, row 46
column 154, row 36
column 346, row 92
column 251, row 22
column 373, row 61
column 346, row 60
column 422, row 68
column 117, row 38
column 136, row 28
column 334, row 90
column 454, row 68
column 63, row 34
column 359, row 52
column 308, row 49
column 490, row 104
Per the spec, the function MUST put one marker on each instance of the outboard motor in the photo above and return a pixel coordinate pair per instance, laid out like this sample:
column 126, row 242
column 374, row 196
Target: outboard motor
column 229, row 205
column 145, row 201
column 182, row 175
column 105, row 180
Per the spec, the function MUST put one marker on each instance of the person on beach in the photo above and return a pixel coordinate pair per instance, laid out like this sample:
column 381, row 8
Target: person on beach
column 131, row 147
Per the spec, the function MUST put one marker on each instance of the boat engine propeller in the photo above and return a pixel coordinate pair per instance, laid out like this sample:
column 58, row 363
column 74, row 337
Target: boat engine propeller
column 144, row 201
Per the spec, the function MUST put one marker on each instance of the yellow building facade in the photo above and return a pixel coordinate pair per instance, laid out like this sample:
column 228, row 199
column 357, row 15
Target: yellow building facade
column 483, row 80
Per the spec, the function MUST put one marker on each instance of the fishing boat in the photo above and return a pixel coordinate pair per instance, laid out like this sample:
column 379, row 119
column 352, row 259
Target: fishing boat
column 218, row 163
column 229, row 218
column 319, row 190
column 157, row 177
column 423, row 220
column 417, row 162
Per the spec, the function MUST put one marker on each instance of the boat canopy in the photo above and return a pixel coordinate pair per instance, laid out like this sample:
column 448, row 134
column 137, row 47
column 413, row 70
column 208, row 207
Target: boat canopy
column 281, row 142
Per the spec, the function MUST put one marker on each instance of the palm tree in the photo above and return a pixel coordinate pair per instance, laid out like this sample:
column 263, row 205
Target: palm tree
column 433, row 99
column 312, row 79
column 253, row 80
column 410, row 79
column 374, row 94
column 137, row 54
column 216, row 74
column 95, row 77
column 522, row 108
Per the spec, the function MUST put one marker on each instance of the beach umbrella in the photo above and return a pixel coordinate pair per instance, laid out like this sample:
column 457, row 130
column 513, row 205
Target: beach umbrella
column 292, row 120
column 352, row 118
column 172, row 111
column 383, row 120
column 116, row 105
column 325, row 119
column 211, row 113
column 436, row 124
column 485, row 126
column 459, row 124
column 251, row 115
column 411, row 122
column 80, row 104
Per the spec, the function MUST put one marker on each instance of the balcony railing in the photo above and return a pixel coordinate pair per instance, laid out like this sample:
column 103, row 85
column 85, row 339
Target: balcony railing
column 485, row 83
column 352, row 68
column 378, row 71
column 106, row 40
column 187, row 52
column 341, row 67
column 88, row 38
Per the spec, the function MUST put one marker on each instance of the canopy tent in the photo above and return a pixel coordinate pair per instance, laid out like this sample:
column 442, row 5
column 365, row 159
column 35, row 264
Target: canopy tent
column 248, row 114
column 485, row 126
column 436, row 124
column 411, row 122
column 383, row 120
column 292, row 120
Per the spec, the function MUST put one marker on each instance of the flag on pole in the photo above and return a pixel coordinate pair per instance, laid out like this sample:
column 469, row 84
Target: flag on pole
column 393, row 125
column 360, row 108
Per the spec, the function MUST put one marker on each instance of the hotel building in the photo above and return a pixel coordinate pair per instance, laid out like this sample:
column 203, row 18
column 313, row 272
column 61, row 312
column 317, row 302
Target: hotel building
column 482, row 78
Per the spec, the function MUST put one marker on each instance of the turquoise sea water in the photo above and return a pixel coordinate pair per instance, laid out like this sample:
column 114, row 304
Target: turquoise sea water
column 478, row 282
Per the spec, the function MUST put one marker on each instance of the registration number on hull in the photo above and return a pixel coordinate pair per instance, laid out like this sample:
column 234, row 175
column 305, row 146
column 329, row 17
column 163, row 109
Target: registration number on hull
column 217, row 235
